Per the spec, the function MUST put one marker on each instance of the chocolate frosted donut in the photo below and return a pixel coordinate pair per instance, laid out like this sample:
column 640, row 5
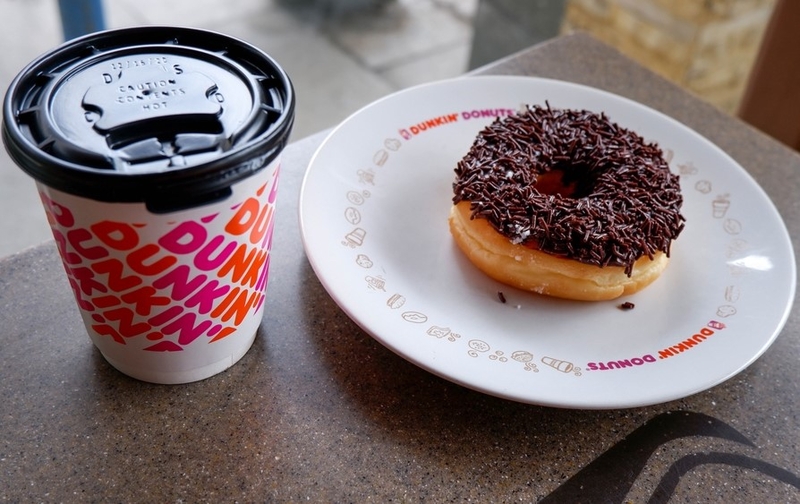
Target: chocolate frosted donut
column 572, row 184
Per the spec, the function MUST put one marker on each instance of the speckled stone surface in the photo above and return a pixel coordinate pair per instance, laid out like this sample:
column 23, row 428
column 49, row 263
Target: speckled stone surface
column 319, row 411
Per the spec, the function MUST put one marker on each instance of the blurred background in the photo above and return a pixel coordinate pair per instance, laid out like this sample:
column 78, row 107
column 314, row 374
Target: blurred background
column 343, row 54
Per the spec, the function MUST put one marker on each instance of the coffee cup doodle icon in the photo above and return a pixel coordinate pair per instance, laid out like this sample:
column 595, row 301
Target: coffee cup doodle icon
column 156, row 154
column 558, row 364
column 720, row 206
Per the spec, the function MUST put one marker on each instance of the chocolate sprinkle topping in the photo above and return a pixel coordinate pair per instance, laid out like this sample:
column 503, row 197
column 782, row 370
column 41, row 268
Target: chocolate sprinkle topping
column 614, row 198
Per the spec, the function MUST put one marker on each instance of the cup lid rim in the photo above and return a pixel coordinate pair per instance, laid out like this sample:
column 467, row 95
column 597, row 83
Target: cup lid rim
column 255, row 137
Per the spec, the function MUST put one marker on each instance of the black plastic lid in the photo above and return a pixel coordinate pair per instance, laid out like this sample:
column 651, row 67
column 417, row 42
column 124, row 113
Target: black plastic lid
column 148, row 114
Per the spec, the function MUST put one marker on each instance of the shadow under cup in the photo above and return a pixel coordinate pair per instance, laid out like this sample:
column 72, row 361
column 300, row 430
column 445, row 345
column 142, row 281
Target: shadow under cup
column 156, row 152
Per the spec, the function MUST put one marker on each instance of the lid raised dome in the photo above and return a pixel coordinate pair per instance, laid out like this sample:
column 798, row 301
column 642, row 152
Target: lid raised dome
column 119, row 115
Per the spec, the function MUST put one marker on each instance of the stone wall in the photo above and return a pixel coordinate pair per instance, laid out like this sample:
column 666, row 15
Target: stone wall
column 706, row 46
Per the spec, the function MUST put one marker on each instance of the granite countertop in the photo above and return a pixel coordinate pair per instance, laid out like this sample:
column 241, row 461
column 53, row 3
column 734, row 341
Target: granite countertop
column 320, row 411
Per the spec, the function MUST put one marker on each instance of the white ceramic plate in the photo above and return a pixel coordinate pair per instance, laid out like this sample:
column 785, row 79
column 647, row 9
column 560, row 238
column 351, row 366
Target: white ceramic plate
column 373, row 214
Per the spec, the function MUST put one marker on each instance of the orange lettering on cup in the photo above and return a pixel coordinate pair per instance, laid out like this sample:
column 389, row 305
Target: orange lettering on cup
column 244, row 218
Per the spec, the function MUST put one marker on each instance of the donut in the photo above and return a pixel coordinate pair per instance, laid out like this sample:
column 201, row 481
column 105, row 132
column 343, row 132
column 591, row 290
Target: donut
column 566, row 203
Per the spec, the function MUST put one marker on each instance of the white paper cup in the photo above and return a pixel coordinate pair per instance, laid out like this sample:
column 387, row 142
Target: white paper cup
column 169, row 298
column 157, row 164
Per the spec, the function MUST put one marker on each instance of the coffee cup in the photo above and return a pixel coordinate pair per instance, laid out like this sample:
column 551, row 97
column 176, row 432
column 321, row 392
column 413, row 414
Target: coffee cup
column 156, row 154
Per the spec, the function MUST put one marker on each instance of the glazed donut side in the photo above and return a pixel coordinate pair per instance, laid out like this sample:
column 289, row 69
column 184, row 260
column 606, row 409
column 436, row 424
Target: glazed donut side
column 533, row 270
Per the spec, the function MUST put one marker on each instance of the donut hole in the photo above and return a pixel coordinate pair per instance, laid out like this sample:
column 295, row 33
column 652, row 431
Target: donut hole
column 567, row 183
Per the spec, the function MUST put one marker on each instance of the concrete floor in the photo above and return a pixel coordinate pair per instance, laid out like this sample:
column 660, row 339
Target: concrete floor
column 338, row 62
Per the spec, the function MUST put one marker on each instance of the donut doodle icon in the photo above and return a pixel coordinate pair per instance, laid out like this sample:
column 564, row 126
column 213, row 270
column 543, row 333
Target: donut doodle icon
column 357, row 198
column 392, row 144
column 364, row 261
column 366, row 176
column 668, row 155
column 726, row 311
column 476, row 346
column 352, row 215
column 414, row 317
column 526, row 358
column 736, row 247
column 703, row 186
column 732, row 226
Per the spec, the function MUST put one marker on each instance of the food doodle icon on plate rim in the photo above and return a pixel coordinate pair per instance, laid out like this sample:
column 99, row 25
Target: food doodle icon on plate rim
column 721, row 206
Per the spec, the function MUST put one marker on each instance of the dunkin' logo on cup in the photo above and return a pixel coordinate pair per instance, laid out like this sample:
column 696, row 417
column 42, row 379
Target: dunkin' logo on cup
column 169, row 283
